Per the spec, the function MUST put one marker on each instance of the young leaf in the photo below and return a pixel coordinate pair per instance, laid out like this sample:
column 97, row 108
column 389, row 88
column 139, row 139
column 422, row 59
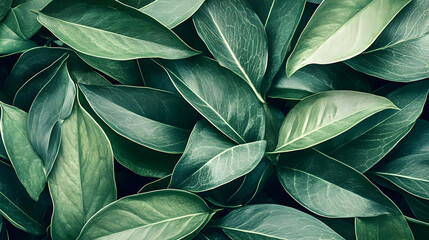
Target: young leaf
column 153, row 118
column 51, row 106
column 220, row 96
column 330, row 188
column 317, row 78
column 280, row 19
column 17, row 206
column 409, row 171
column 270, row 221
column 365, row 145
column 27, row 164
column 325, row 115
column 401, row 52
column 224, row 26
column 211, row 159
column 395, row 226
column 163, row 214
column 171, row 12
column 116, row 28
column 339, row 25
column 82, row 180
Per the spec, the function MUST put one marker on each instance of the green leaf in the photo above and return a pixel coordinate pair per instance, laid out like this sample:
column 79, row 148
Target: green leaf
column 171, row 12
column 3, row 231
column 125, row 72
column 224, row 26
column 338, row 25
column 401, row 52
column 117, row 30
column 365, row 145
column 280, row 19
column 161, row 183
column 394, row 226
column 325, row 115
column 163, row 214
column 409, row 171
column 316, row 78
column 270, row 221
column 419, row 228
column 17, row 206
column 4, row 8
column 10, row 43
column 153, row 118
column 156, row 77
column 211, row 159
column 82, row 180
column 330, row 188
column 27, row 164
column 419, row 207
column 28, row 92
column 211, row 234
column 220, row 96
column 51, row 106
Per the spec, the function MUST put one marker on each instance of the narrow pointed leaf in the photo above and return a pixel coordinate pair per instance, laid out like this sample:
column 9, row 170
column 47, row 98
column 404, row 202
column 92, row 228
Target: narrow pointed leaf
column 156, row 119
column 220, row 96
column 270, row 221
column 222, row 24
column 82, row 180
column 317, row 78
column 330, row 188
column 211, row 159
column 362, row 147
column 394, row 226
column 51, row 106
column 163, row 214
column 27, row 164
column 280, row 19
column 325, row 115
column 17, row 206
column 116, row 28
column 338, row 25
column 401, row 53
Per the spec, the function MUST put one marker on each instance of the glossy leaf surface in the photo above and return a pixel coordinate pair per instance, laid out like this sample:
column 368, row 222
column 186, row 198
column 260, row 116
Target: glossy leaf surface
column 211, row 159
column 163, row 214
column 82, row 180
column 116, row 29
column 325, row 115
column 337, row 25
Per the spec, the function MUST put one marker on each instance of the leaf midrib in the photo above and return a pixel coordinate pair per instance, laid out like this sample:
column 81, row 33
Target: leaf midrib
column 402, row 176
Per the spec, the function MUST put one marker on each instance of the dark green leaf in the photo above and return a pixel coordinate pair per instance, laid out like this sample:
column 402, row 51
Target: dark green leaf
column 153, row 118
column 220, row 96
column 224, row 26
column 82, row 180
column 401, row 52
column 27, row 164
column 211, row 159
column 4, row 8
column 419, row 207
column 3, row 231
column 163, row 214
column 338, row 25
column 269, row 221
column 156, row 77
column 394, row 226
column 161, row 183
column 112, row 30
column 419, row 228
column 325, row 115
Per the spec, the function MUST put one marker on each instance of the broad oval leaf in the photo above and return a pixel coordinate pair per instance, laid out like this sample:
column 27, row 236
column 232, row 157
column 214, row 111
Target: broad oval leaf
column 317, row 78
column 10, row 43
column 116, row 28
column 82, row 180
column 270, row 221
column 330, row 188
column 171, row 12
column 395, row 226
column 401, row 52
column 220, row 96
column 51, row 106
column 4, row 8
column 224, row 26
column 409, row 172
column 338, row 25
column 163, row 214
column 153, row 118
column 325, row 115
column 17, row 206
column 366, row 144
column 27, row 164
column 211, row 159
column 280, row 19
